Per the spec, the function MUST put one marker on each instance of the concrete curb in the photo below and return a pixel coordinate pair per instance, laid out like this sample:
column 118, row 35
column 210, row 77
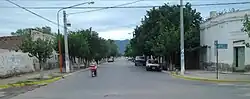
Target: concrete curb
column 40, row 82
column 30, row 83
column 205, row 79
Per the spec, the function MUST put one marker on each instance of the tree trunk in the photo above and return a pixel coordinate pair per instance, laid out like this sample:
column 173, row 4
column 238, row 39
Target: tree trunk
column 170, row 64
column 85, row 62
column 41, row 69
column 74, row 59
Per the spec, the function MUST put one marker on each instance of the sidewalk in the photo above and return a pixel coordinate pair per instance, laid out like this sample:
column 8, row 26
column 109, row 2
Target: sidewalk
column 28, row 76
column 211, row 76
column 47, row 73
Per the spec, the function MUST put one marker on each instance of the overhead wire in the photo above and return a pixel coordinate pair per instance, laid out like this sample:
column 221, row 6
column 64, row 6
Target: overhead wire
column 80, row 0
column 26, row 9
column 111, row 7
column 100, row 7
column 108, row 7
column 122, row 6
column 33, row 13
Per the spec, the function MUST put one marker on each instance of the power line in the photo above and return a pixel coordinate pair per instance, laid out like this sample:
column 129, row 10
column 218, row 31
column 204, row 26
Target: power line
column 80, row 0
column 107, row 7
column 85, row 7
column 197, row 5
column 212, row 4
column 32, row 12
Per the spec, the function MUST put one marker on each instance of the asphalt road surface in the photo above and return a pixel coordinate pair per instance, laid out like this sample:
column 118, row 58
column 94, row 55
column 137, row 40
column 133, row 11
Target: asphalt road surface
column 122, row 80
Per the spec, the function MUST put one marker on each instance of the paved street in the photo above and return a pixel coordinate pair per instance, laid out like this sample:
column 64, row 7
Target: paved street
column 122, row 80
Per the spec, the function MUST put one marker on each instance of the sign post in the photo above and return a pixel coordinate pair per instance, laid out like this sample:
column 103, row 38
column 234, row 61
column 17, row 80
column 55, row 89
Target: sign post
column 216, row 49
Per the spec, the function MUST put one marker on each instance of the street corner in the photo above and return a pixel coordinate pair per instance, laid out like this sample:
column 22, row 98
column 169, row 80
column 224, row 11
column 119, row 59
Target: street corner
column 186, row 77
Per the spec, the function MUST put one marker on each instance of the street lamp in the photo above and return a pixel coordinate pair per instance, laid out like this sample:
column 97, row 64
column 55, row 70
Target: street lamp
column 182, row 39
column 58, row 24
column 58, row 30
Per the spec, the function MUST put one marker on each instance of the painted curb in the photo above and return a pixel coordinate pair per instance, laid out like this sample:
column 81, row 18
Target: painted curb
column 30, row 83
column 208, row 80
column 40, row 82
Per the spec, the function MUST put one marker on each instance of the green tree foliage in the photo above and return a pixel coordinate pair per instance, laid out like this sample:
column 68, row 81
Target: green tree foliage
column 159, row 32
column 246, row 28
column 246, row 25
column 26, row 31
column 128, row 51
column 87, row 45
column 41, row 49
column 112, row 48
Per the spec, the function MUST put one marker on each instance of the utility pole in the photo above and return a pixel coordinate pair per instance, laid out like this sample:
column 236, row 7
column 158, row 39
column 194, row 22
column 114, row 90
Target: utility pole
column 90, row 29
column 217, row 59
column 66, row 42
column 182, row 39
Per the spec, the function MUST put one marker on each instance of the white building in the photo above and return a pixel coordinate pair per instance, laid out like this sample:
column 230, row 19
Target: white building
column 36, row 34
column 12, row 57
column 227, row 29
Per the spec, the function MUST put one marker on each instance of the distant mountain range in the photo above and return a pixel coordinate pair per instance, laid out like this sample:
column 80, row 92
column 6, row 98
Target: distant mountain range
column 121, row 45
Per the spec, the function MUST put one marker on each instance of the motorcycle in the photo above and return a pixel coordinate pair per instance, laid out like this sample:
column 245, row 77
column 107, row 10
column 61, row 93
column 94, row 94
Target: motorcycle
column 93, row 70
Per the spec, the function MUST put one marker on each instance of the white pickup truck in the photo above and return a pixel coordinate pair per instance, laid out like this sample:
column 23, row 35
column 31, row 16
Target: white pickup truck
column 152, row 65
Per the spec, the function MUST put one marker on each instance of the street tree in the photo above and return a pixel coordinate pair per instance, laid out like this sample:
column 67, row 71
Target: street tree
column 41, row 49
column 246, row 28
column 159, row 32
column 78, row 45
column 27, row 31
column 87, row 45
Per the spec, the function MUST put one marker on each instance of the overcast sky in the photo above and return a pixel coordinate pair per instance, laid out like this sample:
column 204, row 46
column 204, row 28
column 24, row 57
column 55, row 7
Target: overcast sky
column 109, row 23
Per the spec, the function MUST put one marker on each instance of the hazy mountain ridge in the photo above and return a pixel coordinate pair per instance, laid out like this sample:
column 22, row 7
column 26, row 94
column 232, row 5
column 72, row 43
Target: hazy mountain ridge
column 121, row 45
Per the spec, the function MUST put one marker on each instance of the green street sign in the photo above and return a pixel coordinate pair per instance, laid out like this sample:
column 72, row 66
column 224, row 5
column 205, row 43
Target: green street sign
column 222, row 46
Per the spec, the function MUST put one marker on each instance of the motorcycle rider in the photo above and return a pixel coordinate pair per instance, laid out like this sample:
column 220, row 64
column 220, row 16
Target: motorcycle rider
column 93, row 68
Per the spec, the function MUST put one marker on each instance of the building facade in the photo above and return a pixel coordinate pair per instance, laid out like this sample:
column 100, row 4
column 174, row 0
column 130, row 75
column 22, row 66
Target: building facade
column 12, row 58
column 233, row 54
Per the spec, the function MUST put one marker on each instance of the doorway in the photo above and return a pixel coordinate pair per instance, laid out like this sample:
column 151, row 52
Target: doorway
column 239, row 57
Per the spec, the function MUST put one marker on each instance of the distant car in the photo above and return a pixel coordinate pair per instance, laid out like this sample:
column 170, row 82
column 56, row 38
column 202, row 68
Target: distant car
column 130, row 59
column 111, row 59
column 153, row 65
column 140, row 60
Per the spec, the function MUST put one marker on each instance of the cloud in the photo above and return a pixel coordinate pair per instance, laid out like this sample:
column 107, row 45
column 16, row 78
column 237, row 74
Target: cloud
column 110, row 23
column 117, row 34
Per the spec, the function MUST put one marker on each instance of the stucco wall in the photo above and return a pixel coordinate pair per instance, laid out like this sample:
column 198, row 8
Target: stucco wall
column 20, row 62
column 226, row 29
column 4, row 50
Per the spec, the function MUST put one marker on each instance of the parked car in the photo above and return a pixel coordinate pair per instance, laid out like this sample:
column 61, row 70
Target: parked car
column 140, row 60
column 153, row 65
column 111, row 59
column 130, row 59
